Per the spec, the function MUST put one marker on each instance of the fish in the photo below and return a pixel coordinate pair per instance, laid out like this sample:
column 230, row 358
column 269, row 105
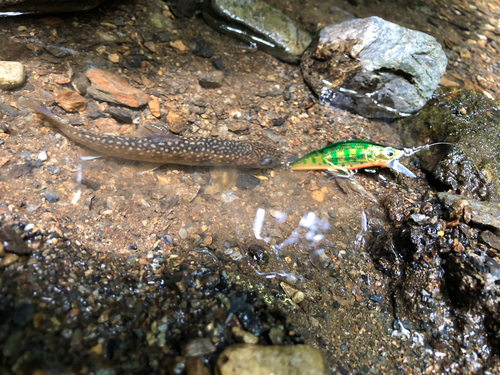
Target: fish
column 158, row 145
column 351, row 155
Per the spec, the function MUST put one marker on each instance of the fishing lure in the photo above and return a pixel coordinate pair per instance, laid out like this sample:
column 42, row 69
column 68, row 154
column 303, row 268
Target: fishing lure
column 351, row 155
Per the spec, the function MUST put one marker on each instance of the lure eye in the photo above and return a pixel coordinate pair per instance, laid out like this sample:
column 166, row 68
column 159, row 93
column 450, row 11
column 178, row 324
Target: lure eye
column 266, row 161
column 389, row 152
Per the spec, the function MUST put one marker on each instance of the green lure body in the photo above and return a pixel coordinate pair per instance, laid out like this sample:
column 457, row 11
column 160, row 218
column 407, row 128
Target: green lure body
column 351, row 155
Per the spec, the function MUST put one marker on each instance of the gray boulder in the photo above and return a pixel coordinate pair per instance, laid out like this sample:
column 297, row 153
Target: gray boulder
column 256, row 22
column 374, row 67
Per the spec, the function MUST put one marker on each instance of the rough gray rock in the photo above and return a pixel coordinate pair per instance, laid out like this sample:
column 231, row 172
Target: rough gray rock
column 255, row 21
column 374, row 67
column 483, row 213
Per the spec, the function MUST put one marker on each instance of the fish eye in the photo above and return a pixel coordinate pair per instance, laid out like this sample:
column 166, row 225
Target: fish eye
column 389, row 152
column 266, row 161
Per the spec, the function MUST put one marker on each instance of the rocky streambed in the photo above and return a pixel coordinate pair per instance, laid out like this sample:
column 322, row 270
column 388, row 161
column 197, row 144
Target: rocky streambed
column 110, row 266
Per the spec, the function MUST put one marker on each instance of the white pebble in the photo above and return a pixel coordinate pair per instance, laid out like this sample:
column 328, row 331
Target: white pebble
column 11, row 74
column 43, row 155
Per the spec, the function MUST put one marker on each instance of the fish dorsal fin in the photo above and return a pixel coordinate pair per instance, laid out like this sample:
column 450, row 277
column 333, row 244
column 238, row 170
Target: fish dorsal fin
column 152, row 130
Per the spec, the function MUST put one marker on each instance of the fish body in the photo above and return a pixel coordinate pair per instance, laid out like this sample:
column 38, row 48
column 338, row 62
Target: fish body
column 351, row 155
column 161, row 146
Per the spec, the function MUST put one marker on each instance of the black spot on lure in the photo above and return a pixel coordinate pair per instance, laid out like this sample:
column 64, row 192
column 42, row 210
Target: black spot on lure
column 160, row 146
column 352, row 155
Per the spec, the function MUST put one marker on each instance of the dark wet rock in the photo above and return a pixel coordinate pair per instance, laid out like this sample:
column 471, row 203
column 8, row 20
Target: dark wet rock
column 12, row 74
column 218, row 64
column 258, row 254
column 247, row 181
column 185, row 8
column 51, row 196
column 483, row 213
column 202, row 49
column 80, row 83
column 12, row 345
column 278, row 360
column 93, row 111
column 212, row 80
column 59, row 51
column 23, row 314
column 111, row 88
column 47, row 6
column 123, row 115
column 489, row 239
column 12, row 241
column 374, row 67
column 257, row 21
column 471, row 122
column 246, row 314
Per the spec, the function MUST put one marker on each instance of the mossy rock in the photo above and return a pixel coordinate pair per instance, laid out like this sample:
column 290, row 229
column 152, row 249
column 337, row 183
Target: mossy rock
column 469, row 121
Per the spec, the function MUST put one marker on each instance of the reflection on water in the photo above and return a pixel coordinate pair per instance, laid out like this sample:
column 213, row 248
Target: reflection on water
column 302, row 221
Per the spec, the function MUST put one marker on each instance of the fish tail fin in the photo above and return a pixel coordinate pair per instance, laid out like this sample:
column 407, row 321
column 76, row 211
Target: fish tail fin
column 41, row 109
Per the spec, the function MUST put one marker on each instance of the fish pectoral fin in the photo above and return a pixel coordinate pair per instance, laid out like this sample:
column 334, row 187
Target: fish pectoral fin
column 398, row 167
column 145, row 167
column 152, row 130
column 89, row 154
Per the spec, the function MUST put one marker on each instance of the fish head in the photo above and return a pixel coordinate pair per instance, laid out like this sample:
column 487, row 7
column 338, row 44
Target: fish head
column 384, row 155
column 261, row 156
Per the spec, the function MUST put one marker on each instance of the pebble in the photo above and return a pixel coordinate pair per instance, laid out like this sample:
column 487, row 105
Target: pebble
column 276, row 335
column 80, row 83
column 247, row 181
column 107, row 125
column 114, row 58
column 203, row 49
column 111, row 88
column 176, row 120
column 8, row 260
column 247, row 359
column 70, row 100
column 319, row 259
column 179, row 47
column 123, row 115
column 154, row 107
column 198, row 347
column 51, row 196
column 43, row 155
column 243, row 336
column 12, row 74
column 151, row 46
column 212, row 80
column 183, row 233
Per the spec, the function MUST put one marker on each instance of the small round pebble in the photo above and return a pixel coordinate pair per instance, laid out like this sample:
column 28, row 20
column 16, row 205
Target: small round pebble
column 51, row 196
